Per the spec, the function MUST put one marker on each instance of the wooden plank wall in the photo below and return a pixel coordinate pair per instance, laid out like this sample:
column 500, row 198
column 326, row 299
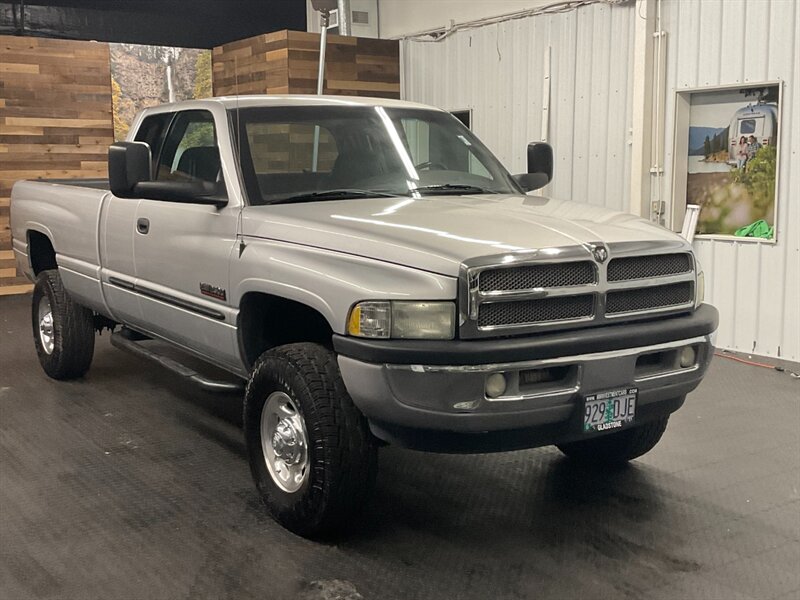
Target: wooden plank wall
column 286, row 62
column 55, row 121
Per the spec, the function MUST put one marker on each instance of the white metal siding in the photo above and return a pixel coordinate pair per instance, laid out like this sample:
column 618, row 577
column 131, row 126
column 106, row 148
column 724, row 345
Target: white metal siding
column 756, row 287
column 498, row 71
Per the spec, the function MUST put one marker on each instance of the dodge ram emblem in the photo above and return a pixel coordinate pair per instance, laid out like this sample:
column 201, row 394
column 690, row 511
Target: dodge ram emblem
column 600, row 253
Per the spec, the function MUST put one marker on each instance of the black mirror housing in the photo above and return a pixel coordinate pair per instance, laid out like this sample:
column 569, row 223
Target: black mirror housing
column 540, row 167
column 188, row 192
column 130, row 176
column 532, row 181
column 129, row 163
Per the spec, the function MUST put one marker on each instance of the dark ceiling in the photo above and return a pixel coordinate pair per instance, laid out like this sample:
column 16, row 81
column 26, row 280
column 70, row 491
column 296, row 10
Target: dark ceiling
column 188, row 23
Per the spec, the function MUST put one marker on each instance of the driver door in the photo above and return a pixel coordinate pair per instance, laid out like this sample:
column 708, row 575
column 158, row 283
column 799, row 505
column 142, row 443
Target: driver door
column 183, row 250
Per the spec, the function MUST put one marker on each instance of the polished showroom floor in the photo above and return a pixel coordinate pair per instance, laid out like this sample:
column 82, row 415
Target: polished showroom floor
column 129, row 484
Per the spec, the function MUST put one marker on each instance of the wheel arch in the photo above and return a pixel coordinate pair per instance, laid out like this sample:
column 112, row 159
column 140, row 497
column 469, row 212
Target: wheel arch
column 268, row 320
column 41, row 251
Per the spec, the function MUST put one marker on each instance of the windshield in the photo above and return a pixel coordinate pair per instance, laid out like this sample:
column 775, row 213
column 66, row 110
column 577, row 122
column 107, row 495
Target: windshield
column 313, row 153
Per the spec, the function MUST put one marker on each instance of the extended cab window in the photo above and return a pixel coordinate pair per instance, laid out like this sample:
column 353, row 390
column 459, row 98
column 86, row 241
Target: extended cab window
column 190, row 150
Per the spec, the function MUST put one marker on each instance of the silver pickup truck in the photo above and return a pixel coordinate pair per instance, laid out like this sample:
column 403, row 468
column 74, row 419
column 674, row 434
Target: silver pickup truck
column 375, row 276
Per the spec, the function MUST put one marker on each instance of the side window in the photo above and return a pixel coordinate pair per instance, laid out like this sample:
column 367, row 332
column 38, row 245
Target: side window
column 190, row 149
column 152, row 132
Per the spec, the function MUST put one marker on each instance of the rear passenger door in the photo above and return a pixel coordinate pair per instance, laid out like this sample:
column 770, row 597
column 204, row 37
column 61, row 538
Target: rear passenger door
column 182, row 250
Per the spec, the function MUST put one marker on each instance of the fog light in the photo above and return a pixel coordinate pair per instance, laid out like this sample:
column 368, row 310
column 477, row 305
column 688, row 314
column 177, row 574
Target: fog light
column 688, row 357
column 495, row 385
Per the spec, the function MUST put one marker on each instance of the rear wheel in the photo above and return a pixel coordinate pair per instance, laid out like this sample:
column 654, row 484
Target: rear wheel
column 311, row 454
column 617, row 448
column 63, row 331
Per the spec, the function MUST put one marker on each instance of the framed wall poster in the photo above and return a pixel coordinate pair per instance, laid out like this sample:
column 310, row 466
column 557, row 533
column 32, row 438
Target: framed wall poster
column 726, row 159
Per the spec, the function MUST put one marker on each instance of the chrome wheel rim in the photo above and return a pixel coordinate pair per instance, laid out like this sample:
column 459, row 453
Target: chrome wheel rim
column 284, row 442
column 46, row 330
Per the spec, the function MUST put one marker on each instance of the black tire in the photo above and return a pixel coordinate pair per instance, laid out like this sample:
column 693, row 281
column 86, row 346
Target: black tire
column 342, row 454
column 72, row 348
column 617, row 448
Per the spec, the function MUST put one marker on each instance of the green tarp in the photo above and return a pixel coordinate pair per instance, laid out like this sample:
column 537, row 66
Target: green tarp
column 759, row 229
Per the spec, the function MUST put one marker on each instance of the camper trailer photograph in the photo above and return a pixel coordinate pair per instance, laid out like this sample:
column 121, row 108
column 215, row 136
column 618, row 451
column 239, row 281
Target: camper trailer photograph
column 732, row 157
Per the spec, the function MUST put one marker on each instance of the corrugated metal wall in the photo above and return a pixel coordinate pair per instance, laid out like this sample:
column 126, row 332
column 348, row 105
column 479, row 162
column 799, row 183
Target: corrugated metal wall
column 755, row 286
column 498, row 71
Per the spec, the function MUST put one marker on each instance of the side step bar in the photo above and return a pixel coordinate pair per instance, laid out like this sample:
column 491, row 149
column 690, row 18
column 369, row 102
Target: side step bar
column 131, row 341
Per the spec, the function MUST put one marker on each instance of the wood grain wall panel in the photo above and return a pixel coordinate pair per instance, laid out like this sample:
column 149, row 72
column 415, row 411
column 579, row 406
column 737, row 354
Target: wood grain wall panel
column 286, row 62
column 55, row 121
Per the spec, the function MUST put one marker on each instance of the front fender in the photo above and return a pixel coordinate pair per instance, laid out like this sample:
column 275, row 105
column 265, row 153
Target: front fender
column 330, row 282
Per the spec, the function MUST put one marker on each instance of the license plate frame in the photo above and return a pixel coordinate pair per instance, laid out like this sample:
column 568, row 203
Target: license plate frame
column 610, row 410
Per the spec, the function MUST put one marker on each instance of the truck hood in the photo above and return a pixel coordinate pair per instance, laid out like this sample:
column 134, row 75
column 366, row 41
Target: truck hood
column 438, row 233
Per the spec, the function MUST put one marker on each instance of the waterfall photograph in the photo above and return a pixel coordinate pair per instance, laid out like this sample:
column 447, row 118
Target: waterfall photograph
column 144, row 76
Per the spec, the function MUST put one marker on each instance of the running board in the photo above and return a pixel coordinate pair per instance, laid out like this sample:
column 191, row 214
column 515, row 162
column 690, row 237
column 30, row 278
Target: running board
column 122, row 340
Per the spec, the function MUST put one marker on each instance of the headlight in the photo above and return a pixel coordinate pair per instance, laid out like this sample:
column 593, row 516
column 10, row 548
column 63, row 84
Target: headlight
column 403, row 320
column 700, row 286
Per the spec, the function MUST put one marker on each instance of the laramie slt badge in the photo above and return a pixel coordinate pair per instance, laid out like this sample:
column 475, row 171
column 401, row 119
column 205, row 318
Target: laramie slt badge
column 213, row 291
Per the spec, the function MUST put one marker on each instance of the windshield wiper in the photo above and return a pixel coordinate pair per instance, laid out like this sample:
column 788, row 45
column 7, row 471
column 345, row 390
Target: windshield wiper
column 453, row 188
column 342, row 194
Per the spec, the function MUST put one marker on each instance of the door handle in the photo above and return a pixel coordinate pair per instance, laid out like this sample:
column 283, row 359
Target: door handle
column 143, row 226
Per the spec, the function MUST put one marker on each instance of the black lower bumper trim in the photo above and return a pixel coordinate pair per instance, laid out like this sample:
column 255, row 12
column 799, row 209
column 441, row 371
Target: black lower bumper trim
column 702, row 321
column 507, row 440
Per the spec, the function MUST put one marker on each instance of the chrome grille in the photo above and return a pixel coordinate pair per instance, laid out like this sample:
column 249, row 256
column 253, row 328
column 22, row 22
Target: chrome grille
column 646, row 267
column 531, row 277
column 563, row 288
column 545, row 310
column 649, row 298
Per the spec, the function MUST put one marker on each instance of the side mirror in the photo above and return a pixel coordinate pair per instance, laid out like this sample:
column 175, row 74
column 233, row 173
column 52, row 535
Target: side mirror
column 130, row 176
column 129, row 163
column 540, row 167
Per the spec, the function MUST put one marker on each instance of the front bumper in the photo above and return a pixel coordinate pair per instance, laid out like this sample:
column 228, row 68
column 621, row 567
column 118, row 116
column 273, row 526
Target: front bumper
column 436, row 403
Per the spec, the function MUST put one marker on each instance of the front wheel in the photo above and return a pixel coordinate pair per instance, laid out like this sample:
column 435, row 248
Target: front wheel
column 63, row 331
column 617, row 448
column 311, row 454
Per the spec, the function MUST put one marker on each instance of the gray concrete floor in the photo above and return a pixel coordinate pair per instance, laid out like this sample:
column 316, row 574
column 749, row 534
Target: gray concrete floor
column 130, row 485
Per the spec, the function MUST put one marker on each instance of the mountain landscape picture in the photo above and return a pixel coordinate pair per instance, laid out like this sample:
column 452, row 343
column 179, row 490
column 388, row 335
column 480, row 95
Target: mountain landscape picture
column 143, row 76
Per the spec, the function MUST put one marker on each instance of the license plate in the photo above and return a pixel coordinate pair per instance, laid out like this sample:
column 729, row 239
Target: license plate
column 608, row 410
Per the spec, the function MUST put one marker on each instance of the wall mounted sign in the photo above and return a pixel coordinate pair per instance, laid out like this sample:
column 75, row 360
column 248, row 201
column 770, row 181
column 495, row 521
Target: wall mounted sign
column 727, row 157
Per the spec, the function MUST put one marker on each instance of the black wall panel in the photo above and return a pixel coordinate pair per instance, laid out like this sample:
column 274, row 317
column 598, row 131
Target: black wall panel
column 189, row 23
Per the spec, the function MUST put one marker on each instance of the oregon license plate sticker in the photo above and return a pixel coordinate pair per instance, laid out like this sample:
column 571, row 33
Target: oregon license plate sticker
column 613, row 409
